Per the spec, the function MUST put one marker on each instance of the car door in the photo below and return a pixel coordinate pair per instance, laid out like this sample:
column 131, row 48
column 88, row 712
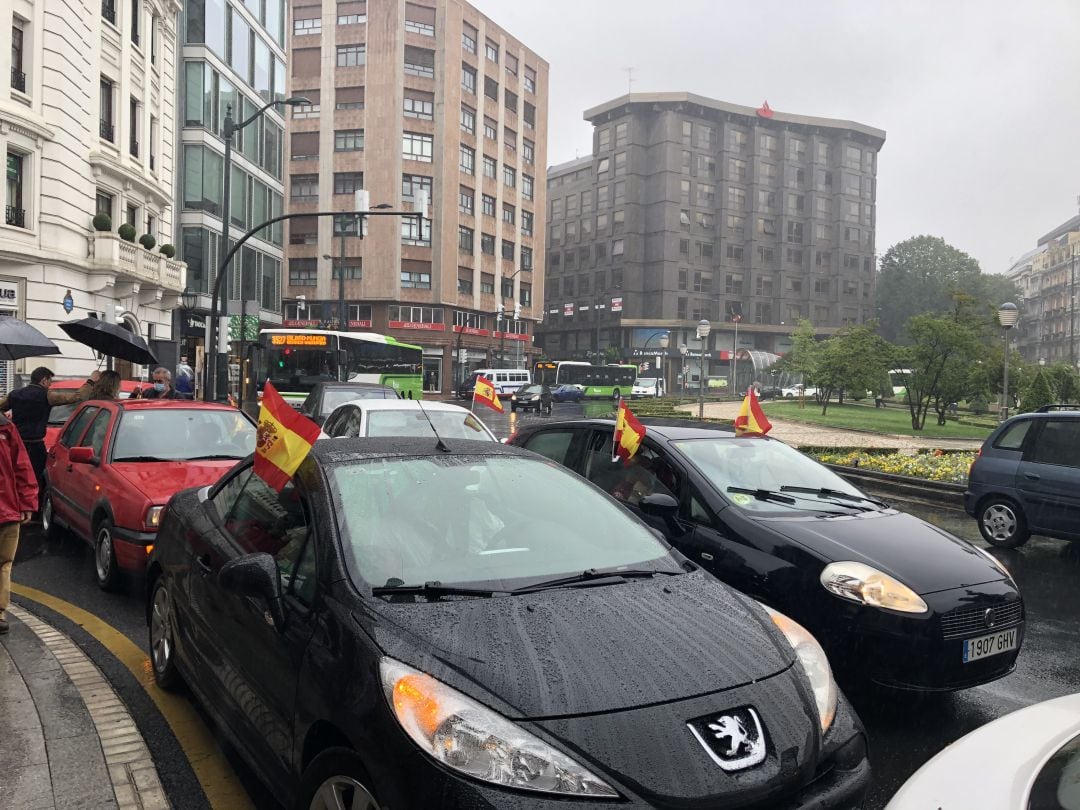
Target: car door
column 83, row 489
column 562, row 444
column 1048, row 477
column 58, row 468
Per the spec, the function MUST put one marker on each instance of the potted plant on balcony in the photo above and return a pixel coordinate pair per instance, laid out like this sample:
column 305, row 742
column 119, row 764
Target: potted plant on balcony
column 126, row 232
column 147, row 241
column 102, row 222
column 167, row 250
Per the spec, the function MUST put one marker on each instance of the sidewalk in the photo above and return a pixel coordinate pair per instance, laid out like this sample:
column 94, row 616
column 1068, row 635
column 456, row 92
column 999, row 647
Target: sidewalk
column 798, row 434
column 66, row 739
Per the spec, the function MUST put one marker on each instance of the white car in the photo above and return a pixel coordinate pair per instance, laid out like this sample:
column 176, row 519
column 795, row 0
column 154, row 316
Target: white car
column 647, row 387
column 798, row 390
column 403, row 417
column 1029, row 759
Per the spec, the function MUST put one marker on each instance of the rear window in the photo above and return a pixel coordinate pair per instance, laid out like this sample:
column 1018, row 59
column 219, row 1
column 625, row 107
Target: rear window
column 1058, row 443
column 1013, row 436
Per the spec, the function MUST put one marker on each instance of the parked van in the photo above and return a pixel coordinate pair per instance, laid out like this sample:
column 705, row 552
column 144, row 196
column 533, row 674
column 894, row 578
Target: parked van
column 505, row 380
column 647, row 387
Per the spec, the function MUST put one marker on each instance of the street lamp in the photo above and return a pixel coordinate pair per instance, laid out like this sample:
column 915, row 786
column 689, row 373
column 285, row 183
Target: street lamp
column 188, row 299
column 665, row 340
column 228, row 128
column 1007, row 315
column 703, row 329
column 684, row 350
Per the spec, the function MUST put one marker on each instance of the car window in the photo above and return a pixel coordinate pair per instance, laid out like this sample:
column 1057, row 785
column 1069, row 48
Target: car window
column 699, row 512
column 449, row 424
column 334, row 397
column 73, row 432
column 1058, row 443
column 183, row 434
column 227, row 493
column 345, row 421
column 647, row 473
column 1013, row 436
column 58, row 414
column 554, row 444
column 95, row 436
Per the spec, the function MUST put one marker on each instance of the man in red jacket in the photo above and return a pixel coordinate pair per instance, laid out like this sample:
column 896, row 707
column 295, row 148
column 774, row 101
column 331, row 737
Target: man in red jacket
column 18, row 500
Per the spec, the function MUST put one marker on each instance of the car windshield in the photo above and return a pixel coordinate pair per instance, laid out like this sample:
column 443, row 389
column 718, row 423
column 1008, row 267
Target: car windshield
column 497, row 520
column 333, row 397
column 529, row 389
column 753, row 463
column 645, row 382
column 182, row 434
column 59, row 414
column 450, row 424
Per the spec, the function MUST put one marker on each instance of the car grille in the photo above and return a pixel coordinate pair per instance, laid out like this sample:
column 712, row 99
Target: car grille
column 970, row 621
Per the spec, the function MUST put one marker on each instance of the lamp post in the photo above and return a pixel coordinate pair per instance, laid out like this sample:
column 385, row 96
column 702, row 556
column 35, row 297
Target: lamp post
column 362, row 205
column 735, row 357
column 703, row 329
column 1007, row 315
column 665, row 340
column 684, row 350
column 500, row 315
column 189, row 299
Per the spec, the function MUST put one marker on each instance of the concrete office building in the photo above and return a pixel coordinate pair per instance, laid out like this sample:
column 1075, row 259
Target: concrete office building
column 691, row 208
column 233, row 55
column 87, row 122
column 407, row 97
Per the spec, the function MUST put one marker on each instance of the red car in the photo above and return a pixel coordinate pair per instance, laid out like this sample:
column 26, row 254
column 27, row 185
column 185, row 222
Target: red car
column 60, row 413
column 116, row 464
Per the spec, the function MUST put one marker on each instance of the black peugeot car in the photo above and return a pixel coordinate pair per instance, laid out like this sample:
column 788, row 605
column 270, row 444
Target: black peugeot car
column 889, row 596
column 412, row 623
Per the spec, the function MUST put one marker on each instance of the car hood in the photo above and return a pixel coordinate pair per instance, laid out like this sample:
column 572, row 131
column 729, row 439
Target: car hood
column 160, row 480
column 575, row 651
column 922, row 556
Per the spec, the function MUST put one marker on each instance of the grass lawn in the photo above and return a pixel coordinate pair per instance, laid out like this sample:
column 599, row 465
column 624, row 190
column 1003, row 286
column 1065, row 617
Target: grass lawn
column 891, row 419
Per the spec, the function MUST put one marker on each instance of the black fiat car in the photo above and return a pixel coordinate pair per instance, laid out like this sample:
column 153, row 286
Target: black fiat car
column 412, row 623
column 890, row 597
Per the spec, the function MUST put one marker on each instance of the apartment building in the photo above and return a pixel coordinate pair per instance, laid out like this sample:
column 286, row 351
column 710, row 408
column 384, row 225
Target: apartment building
column 409, row 97
column 87, row 121
column 695, row 209
column 233, row 57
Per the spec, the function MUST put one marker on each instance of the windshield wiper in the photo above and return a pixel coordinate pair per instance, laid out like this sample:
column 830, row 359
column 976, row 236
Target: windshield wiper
column 432, row 590
column 789, row 501
column 212, row 458
column 825, row 492
column 142, row 458
column 591, row 576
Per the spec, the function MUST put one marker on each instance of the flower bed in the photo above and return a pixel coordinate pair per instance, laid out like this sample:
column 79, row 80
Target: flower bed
column 932, row 466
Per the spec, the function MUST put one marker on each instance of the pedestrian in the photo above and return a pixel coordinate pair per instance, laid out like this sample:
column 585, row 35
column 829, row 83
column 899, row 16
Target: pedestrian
column 163, row 386
column 185, row 379
column 545, row 399
column 18, row 502
column 107, row 387
column 30, row 406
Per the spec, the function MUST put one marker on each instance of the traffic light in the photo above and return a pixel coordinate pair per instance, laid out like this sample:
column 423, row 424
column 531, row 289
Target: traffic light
column 517, row 310
column 499, row 314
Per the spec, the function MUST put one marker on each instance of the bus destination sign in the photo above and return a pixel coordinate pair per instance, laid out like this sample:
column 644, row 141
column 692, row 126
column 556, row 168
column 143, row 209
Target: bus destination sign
column 299, row 340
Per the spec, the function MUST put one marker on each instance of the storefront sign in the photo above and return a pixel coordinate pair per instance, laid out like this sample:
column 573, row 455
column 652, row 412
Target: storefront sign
column 9, row 295
column 568, row 310
column 427, row 327
column 510, row 335
column 300, row 340
column 471, row 330
column 292, row 323
column 359, row 324
column 616, row 305
column 193, row 325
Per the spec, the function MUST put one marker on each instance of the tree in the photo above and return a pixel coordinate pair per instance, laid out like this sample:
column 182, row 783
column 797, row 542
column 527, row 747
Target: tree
column 1036, row 393
column 852, row 360
column 943, row 351
column 926, row 275
column 1064, row 382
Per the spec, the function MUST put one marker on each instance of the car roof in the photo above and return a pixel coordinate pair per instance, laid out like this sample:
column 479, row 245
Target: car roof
column 671, row 429
column 402, row 405
column 351, row 449
column 347, row 385
column 172, row 404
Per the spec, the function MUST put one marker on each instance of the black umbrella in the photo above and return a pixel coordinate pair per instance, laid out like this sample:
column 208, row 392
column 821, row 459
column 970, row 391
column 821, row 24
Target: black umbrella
column 19, row 339
column 111, row 339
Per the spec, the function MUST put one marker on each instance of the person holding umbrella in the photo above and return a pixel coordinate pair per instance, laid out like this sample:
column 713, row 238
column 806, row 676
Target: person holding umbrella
column 18, row 501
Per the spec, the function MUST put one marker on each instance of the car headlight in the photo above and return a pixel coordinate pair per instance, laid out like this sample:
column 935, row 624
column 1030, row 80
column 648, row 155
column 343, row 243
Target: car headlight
column 861, row 583
column 153, row 517
column 476, row 741
column 814, row 663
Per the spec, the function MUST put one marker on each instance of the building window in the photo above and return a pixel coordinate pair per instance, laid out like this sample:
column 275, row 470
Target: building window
column 736, row 140
column 468, row 79
column 528, row 150
column 491, row 88
column 735, row 222
column 733, row 284
column 511, row 64
column 468, row 120
column 510, row 139
column 735, row 252
column 413, row 184
column 419, row 62
column 487, row 244
column 618, row 246
column 466, row 200
column 527, row 223
column 507, row 250
column 509, row 214
column 736, row 198
column 108, row 10
column 487, row 283
column 103, row 203
column 530, row 80
column 351, row 55
column 14, row 205
column 795, row 232
column 795, row 256
column 303, row 272
column 468, row 39
column 416, row 281
column 507, row 288
column 765, row 254
column 821, row 286
column 851, row 261
column 415, row 231
column 767, row 143
column 526, row 187
column 487, row 205
column 311, row 110
column 307, row 27
column 422, row 108
column 490, row 167
column 766, row 200
column 491, row 51
column 491, row 129
column 350, row 19
column 467, row 159
column 526, row 258
column 422, row 28
column 348, row 182
column 349, row 140
column 510, row 99
column 465, row 239
column 464, row 287
column 348, row 98
column 107, row 128
column 351, row 267
column 684, row 247
column 305, row 188
column 133, row 127
column 18, row 77
column 416, row 146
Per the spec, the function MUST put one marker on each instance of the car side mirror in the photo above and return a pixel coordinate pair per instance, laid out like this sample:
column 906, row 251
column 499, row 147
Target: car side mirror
column 255, row 575
column 82, row 455
column 661, row 505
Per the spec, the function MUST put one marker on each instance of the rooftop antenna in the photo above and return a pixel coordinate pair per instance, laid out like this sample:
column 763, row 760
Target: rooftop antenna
column 629, row 79
column 439, row 444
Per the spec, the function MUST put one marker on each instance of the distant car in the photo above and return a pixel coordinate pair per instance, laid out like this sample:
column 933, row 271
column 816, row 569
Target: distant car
column 1028, row 759
column 568, row 393
column 647, row 387
column 59, row 414
column 791, row 392
column 1026, row 478
column 892, row 598
column 528, row 397
column 411, row 625
column 116, row 464
column 326, row 396
column 404, row 417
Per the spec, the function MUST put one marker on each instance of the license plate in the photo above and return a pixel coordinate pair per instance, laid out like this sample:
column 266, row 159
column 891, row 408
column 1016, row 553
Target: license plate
column 993, row 644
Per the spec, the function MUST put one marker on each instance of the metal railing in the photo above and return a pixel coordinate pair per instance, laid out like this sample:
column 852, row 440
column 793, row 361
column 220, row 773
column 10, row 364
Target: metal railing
column 106, row 130
column 18, row 80
column 15, row 216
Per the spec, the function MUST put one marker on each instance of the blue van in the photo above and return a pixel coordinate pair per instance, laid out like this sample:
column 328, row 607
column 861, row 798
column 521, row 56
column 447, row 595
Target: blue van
column 1026, row 479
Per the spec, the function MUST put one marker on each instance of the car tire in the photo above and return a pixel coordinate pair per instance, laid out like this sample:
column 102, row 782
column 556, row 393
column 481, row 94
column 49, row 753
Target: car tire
column 163, row 638
column 48, row 518
column 106, row 571
column 336, row 778
column 1002, row 523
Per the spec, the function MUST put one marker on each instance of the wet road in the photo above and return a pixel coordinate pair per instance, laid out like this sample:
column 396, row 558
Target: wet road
column 904, row 731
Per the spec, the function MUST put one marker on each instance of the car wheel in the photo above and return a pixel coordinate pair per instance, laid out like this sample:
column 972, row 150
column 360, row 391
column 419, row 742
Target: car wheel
column 105, row 567
column 162, row 638
column 335, row 779
column 1002, row 523
column 48, row 518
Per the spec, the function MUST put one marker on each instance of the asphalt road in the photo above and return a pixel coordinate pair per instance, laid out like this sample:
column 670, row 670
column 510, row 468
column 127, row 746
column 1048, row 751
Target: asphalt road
column 904, row 731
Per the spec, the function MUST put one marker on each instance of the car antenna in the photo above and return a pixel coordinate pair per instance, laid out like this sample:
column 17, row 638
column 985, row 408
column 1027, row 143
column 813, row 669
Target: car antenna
column 440, row 444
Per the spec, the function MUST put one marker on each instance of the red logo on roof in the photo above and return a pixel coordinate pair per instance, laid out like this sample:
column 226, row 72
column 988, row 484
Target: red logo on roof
column 764, row 111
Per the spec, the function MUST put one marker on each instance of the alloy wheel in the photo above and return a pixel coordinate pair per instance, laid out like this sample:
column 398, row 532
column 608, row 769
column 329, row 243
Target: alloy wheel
column 1000, row 521
column 47, row 515
column 103, row 553
column 161, row 643
column 342, row 793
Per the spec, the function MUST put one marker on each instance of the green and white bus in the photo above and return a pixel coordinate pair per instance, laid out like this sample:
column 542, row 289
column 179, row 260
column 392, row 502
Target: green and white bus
column 294, row 360
column 610, row 381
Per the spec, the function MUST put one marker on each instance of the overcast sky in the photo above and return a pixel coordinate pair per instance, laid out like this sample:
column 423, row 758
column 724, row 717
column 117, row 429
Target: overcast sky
column 980, row 99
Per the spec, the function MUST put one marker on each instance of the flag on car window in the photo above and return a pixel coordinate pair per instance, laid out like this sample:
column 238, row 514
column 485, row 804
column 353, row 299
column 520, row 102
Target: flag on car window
column 484, row 391
column 628, row 435
column 283, row 439
column 751, row 418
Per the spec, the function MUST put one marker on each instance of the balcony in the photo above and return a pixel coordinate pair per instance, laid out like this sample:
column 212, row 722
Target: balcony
column 106, row 130
column 108, row 11
column 130, row 262
column 15, row 216
column 18, row 80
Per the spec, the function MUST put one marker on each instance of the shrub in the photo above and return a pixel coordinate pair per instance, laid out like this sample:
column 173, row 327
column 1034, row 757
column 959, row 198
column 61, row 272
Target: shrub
column 167, row 250
column 126, row 232
column 102, row 222
column 979, row 405
column 147, row 241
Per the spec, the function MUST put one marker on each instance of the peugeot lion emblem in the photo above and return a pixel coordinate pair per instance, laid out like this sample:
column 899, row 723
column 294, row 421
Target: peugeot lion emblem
column 988, row 618
column 734, row 740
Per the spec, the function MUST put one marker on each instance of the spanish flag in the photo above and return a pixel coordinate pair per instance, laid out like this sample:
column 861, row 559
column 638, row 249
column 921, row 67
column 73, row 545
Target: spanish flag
column 751, row 418
column 484, row 392
column 629, row 433
column 283, row 439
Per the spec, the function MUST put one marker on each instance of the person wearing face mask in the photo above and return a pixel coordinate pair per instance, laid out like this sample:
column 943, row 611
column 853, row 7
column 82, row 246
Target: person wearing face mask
column 163, row 387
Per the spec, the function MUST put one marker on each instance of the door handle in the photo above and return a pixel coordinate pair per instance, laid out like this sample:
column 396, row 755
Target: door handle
column 706, row 556
column 1031, row 476
column 204, row 563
